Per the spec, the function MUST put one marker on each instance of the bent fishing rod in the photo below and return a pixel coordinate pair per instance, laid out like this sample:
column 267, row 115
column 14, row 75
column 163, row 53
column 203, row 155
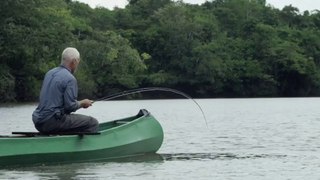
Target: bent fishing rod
column 148, row 89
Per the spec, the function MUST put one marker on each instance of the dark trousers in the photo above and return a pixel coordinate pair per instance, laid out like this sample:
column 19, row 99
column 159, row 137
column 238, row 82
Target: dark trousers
column 69, row 123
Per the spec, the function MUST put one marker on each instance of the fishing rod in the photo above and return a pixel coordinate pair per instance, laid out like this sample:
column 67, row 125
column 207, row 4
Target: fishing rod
column 148, row 89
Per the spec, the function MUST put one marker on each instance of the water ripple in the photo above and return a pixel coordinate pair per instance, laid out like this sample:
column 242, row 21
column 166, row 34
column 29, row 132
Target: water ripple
column 216, row 156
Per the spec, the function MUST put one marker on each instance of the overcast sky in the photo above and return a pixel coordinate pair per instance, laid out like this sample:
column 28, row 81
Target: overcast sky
column 301, row 4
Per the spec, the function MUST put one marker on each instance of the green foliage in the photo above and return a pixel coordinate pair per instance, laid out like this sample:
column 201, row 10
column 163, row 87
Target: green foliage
column 223, row 48
column 7, row 84
column 112, row 62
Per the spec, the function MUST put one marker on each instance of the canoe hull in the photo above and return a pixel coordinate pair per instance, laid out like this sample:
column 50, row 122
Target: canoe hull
column 135, row 137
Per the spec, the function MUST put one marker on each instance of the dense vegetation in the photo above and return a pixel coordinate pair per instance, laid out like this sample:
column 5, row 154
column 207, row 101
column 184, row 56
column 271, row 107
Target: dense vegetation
column 223, row 48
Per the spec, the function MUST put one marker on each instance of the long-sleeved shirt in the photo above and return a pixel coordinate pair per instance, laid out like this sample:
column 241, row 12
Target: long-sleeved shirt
column 58, row 95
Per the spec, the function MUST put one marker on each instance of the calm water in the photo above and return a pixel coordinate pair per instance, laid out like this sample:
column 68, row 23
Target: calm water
column 245, row 139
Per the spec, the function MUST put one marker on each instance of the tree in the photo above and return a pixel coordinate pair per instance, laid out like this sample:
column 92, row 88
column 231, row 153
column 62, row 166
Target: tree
column 113, row 64
column 7, row 84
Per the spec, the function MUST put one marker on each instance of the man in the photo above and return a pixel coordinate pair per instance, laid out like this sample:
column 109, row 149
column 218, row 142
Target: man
column 58, row 99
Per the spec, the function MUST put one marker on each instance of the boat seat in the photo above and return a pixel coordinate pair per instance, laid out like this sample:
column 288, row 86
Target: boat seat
column 32, row 134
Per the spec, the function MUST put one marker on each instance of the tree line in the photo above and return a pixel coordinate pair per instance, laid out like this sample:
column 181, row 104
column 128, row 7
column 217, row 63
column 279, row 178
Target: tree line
column 222, row 48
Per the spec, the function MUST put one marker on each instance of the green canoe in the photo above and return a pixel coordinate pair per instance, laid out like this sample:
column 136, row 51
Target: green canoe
column 130, row 136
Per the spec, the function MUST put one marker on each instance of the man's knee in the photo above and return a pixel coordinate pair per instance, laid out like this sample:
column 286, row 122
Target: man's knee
column 94, row 123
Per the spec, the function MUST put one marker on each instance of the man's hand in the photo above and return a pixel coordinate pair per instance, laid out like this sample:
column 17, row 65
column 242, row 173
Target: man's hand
column 85, row 103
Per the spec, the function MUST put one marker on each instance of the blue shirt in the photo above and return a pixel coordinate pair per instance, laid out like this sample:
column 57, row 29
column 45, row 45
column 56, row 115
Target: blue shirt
column 58, row 95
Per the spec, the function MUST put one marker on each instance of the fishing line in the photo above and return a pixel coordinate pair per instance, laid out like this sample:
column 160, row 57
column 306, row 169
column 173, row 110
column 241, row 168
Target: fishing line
column 148, row 89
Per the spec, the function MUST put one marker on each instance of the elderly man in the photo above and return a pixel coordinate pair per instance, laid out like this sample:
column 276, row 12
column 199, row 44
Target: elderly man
column 58, row 99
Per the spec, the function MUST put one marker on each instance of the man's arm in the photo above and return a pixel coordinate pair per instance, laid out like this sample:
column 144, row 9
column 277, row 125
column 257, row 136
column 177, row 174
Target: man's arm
column 70, row 97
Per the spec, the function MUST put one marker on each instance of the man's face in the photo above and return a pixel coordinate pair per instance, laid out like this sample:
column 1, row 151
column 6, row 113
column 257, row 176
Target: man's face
column 74, row 65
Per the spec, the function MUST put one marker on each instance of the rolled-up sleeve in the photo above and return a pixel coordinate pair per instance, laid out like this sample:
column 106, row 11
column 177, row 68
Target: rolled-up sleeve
column 70, row 96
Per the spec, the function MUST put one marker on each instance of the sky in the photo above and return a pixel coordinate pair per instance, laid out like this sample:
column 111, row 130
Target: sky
column 302, row 5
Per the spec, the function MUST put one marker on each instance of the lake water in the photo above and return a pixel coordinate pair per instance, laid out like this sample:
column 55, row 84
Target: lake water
column 263, row 138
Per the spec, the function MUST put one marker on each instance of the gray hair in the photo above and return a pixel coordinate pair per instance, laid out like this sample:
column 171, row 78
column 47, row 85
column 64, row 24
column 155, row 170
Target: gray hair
column 69, row 54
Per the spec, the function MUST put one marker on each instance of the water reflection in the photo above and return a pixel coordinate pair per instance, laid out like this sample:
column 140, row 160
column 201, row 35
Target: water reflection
column 72, row 170
column 42, row 172
column 121, row 166
column 145, row 158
